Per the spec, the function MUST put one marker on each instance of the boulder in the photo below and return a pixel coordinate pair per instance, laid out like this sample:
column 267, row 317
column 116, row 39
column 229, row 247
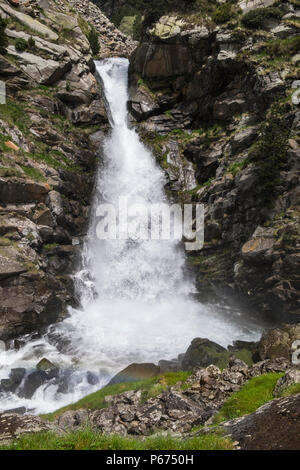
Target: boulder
column 15, row 378
column 274, row 426
column 277, row 343
column 202, row 352
column 136, row 372
column 32, row 382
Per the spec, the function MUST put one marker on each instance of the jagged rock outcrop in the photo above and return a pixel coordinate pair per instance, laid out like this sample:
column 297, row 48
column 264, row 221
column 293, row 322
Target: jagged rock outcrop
column 215, row 90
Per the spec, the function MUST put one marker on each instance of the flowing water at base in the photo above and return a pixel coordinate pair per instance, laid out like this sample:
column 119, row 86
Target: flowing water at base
column 137, row 301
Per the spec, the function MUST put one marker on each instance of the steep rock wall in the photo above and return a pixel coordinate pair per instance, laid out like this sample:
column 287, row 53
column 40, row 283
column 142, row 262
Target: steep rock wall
column 50, row 130
column 213, row 101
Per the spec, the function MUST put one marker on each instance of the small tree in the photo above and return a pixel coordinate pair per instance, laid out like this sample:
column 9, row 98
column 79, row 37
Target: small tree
column 93, row 38
column 3, row 37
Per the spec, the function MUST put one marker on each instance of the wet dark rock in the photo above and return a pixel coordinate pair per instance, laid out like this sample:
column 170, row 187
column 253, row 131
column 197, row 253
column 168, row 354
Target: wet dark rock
column 92, row 378
column 32, row 382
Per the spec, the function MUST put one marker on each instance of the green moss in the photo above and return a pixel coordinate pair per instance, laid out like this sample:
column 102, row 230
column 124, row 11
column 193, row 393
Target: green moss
column 33, row 173
column 90, row 440
column 291, row 390
column 255, row 393
column 50, row 246
column 255, row 19
column 236, row 167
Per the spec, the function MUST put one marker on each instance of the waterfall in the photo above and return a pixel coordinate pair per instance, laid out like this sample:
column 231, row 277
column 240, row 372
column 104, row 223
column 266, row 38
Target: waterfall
column 137, row 302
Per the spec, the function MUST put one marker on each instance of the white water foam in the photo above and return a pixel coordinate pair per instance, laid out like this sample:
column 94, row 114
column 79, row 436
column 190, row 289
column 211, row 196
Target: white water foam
column 137, row 303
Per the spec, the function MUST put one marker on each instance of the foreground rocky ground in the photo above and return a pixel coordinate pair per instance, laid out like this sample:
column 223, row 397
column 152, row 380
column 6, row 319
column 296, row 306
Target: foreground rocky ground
column 185, row 410
column 149, row 400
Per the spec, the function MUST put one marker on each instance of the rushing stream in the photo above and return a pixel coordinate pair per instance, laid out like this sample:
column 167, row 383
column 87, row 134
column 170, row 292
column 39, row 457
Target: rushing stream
column 137, row 300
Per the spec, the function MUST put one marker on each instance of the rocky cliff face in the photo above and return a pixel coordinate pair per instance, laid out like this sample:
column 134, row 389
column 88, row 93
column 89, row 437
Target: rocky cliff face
column 50, row 129
column 216, row 97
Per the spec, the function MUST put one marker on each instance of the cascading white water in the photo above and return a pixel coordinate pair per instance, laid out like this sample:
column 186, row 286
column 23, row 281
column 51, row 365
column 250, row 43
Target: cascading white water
column 137, row 303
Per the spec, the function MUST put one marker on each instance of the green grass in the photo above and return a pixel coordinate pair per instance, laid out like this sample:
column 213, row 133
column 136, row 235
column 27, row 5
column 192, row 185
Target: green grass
column 33, row 173
column 89, row 440
column 150, row 387
column 291, row 390
column 236, row 167
column 255, row 393
column 14, row 114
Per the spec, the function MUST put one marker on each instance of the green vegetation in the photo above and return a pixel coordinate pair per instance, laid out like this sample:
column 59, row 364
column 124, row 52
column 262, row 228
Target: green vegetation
column 236, row 167
column 31, row 43
column 283, row 47
column 50, row 246
column 97, row 400
column 270, row 152
column 33, row 173
column 21, row 45
column 14, row 114
column 255, row 19
column 3, row 36
column 255, row 393
column 222, row 13
column 93, row 38
column 291, row 390
column 89, row 440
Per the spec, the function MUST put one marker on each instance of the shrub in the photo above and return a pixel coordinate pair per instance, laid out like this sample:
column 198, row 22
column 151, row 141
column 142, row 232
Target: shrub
column 283, row 47
column 3, row 37
column 222, row 13
column 31, row 43
column 270, row 152
column 21, row 45
column 93, row 38
column 255, row 19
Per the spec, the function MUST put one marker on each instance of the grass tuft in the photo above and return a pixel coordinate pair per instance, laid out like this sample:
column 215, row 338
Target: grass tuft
column 89, row 440
column 251, row 396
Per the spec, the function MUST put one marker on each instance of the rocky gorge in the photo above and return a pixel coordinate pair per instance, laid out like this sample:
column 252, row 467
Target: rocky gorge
column 215, row 97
